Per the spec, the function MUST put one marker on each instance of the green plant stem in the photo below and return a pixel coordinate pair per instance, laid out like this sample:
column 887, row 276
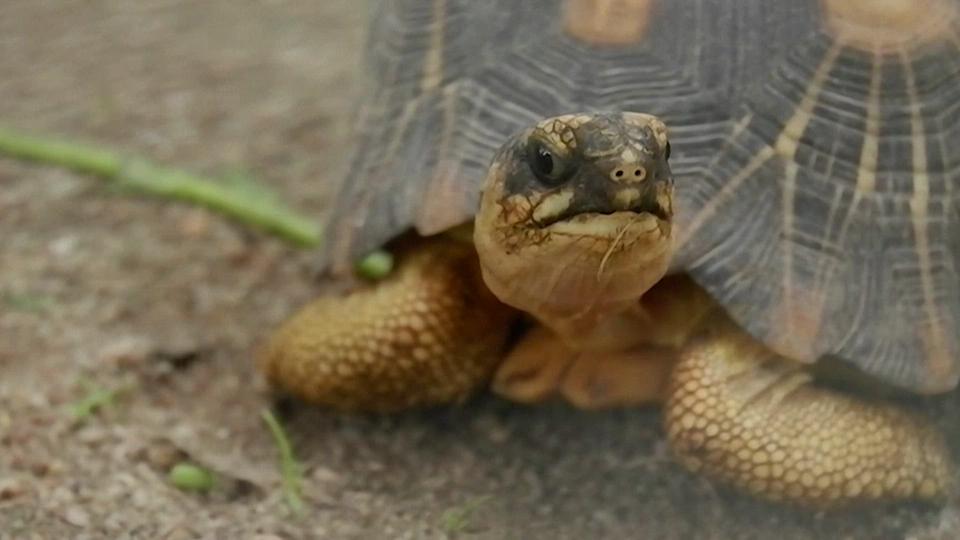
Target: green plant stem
column 290, row 471
column 80, row 158
column 95, row 400
column 145, row 177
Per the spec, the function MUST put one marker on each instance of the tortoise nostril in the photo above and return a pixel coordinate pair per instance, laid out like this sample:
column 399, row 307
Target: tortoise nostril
column 637, row 174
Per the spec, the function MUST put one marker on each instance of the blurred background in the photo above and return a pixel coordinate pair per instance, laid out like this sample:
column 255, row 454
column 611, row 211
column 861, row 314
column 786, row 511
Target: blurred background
column 127, row 324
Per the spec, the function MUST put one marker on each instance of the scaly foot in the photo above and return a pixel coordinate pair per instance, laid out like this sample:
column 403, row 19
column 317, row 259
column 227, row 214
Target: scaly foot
column 739, row 413
column 429, row 334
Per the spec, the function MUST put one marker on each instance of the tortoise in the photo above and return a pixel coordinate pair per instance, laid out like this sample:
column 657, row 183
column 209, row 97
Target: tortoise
column 725, row 208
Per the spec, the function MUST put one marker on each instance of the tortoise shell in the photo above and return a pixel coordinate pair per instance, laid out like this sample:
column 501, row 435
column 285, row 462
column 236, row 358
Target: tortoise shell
column 816, row 149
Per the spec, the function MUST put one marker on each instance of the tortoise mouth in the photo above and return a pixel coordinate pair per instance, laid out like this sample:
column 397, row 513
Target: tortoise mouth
column 624, row 227
column 648, row 207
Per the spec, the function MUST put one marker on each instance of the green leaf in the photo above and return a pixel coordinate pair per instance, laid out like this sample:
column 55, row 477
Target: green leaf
column 190, row 477
column 376, row 265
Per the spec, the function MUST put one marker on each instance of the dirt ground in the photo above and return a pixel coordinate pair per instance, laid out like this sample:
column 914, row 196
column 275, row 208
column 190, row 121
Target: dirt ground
column 165, row 302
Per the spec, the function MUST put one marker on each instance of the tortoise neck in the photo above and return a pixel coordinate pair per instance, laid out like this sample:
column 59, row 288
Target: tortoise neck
column 577, row 291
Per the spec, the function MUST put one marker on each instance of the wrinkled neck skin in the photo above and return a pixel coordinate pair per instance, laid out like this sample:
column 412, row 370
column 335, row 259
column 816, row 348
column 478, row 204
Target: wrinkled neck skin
column 585, row 287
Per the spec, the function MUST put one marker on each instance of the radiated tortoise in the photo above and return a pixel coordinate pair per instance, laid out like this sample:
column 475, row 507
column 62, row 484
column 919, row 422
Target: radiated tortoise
column 804, row 213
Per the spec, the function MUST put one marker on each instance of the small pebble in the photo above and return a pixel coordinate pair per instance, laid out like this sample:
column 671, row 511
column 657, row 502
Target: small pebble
column 326, row 475
column 76, row 516
column 180, row 532
column 140, row 499
column 11, row 488
column 61, row 495
column 63, row 246
column 162, row 454
column 40, row 468
column 93, row 435
column 194, row 224
column 126, row 351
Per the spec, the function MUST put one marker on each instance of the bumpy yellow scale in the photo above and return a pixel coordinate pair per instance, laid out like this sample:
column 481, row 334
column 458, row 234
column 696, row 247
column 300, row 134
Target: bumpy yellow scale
column 430, row 333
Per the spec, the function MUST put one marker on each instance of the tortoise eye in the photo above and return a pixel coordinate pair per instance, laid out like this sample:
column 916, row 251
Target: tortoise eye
column 543, row 161
column 549, row 168
column 666, row 152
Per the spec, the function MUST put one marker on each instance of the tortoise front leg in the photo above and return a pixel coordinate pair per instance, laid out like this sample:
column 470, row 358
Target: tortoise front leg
column 429, row 334
column 739, row 413
column 542, row 367
column 623, row 360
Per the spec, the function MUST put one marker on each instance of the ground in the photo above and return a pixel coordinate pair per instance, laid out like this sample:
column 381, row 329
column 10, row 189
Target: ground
column 164, row 303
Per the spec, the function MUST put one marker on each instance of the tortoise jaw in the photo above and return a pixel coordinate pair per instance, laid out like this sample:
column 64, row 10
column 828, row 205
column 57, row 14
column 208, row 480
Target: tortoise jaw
column 611, row 225
column 642, row 211
column 579, row 264
column 635, row 208
column 655, row 210
column 577, row 269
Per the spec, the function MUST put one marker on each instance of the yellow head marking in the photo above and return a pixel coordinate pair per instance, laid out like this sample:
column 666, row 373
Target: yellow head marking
column 552, row 205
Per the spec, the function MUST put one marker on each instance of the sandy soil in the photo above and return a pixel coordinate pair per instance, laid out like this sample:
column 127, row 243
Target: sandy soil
column 165, row 302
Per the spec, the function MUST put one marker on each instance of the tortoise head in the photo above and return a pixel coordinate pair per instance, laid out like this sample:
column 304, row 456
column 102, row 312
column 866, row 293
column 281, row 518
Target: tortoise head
column 576, row 214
